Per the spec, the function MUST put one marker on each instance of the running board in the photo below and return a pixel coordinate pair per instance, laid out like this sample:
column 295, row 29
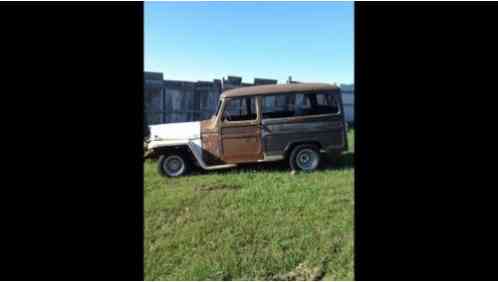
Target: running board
column 272, row 158
column 219, row 166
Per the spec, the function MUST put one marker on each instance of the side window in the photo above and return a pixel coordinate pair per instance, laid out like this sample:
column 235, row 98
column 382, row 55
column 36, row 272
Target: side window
column 316, row 104
column 278, row 106
column 321, row 100
column 303, row 105
column 239, row 109
column 299, row 104
column 327, row 103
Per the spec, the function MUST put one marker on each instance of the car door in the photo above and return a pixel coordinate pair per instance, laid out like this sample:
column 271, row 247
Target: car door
column 240, row 130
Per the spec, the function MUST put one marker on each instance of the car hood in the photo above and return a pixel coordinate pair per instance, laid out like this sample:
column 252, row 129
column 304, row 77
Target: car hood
column 175, row 131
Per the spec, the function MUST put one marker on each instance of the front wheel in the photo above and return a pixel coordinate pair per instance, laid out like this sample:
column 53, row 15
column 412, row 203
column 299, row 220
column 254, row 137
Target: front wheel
column 172, row 165
column 305, row 158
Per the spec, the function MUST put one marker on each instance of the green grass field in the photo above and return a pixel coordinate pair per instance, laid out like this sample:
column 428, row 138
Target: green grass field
column 257, row 222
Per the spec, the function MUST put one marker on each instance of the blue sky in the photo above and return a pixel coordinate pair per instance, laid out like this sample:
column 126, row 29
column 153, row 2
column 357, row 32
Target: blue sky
column 311, row 41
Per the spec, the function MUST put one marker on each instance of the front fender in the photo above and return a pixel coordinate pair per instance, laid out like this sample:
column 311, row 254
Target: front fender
column 154, row 148
column 194, row 147
column 166, row 143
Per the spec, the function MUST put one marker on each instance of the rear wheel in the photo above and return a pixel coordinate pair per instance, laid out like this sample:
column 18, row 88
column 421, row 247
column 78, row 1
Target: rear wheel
column 305, row 158
column 173, row 165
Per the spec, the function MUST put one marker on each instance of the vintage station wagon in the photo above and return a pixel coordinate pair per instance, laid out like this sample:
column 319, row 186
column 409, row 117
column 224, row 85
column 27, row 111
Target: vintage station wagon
column 294, row 122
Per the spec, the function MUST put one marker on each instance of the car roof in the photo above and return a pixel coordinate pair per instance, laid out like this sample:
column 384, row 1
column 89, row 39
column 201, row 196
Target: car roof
column 270, row 89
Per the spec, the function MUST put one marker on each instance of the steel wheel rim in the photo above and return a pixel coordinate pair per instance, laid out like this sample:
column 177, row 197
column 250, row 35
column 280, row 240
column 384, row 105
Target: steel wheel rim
column 174, row 165
column 307, row 159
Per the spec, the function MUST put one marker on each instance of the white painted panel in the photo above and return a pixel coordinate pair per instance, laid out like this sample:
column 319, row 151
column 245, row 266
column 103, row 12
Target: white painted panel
column 177, row 131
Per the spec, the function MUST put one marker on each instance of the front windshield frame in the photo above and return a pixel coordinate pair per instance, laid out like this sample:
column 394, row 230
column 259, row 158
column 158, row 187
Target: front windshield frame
column 219, row 108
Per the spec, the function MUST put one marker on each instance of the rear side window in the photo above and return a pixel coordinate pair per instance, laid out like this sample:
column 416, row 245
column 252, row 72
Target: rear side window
column 299, row 104
column 239, row 109
column 325, row 104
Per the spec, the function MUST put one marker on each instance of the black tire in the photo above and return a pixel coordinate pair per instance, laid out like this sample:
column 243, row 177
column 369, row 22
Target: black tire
column 169, row 170
column 302, row 152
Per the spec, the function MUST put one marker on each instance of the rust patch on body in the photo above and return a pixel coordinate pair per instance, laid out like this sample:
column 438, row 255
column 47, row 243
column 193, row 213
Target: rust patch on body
column 242, row 144
column 239, row 132
column 211, row 143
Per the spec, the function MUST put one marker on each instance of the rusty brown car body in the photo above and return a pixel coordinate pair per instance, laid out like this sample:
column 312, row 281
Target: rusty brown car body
column 259, row 123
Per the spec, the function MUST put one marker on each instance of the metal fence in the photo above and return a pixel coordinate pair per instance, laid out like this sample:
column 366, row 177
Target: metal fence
column 177, row 101
column 198, row 115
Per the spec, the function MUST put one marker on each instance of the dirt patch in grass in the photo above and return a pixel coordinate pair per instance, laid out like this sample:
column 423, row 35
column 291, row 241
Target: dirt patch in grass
column 302, row 272
column 217, row 187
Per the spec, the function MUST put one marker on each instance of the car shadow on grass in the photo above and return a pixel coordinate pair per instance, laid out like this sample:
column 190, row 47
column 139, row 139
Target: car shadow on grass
column 346, row 161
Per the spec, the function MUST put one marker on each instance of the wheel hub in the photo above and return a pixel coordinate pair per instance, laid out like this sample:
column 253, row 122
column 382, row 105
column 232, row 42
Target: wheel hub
column 307, row 159
column 173, row 165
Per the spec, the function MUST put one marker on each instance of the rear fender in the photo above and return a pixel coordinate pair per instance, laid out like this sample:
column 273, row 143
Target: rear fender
column 292, row 145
